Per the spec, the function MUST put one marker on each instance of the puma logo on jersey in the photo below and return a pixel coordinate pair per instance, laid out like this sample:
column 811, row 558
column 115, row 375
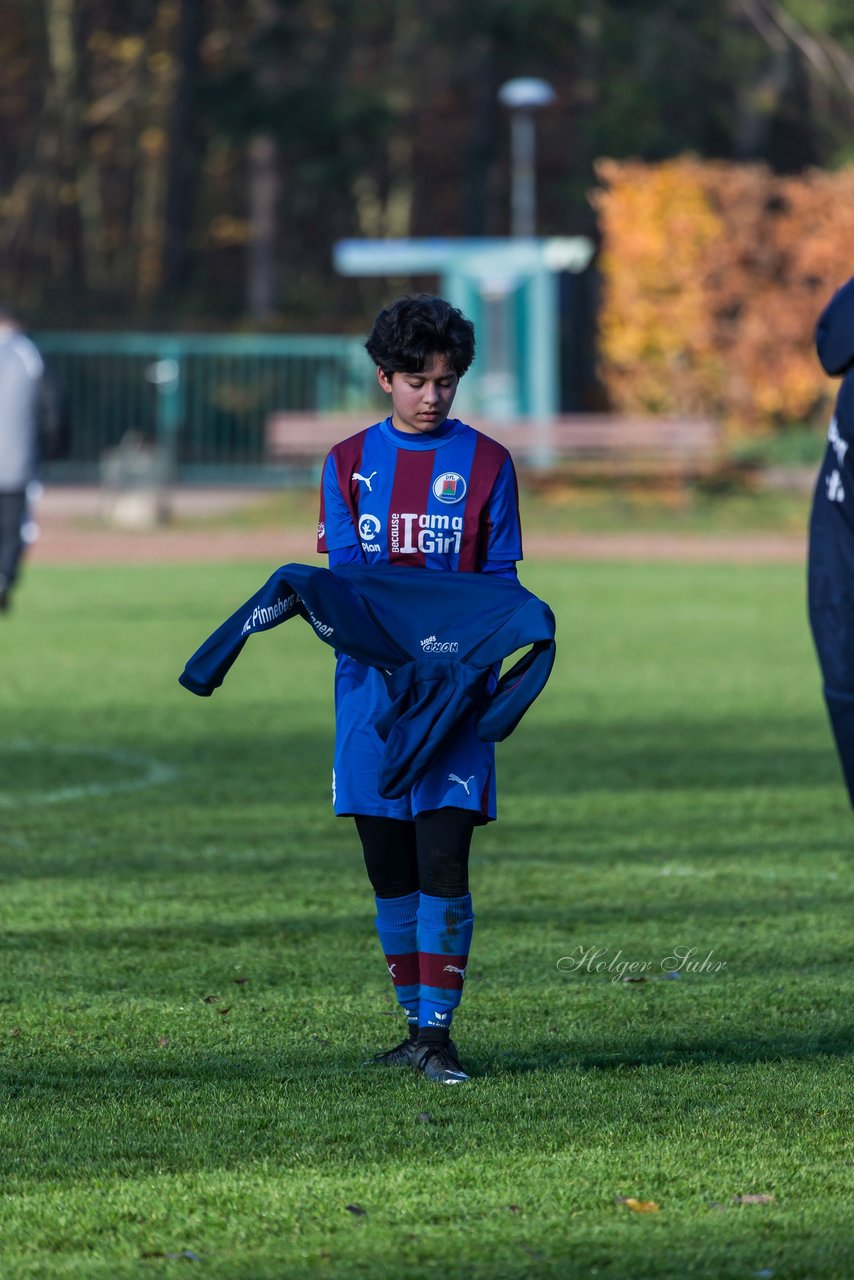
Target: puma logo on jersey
column 391, row 968
column 452, row 777
column 452, row 968
column 365, row 479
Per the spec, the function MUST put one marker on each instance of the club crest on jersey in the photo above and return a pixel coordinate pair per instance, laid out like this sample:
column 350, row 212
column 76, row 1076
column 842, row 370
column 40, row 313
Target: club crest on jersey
column 449, row 487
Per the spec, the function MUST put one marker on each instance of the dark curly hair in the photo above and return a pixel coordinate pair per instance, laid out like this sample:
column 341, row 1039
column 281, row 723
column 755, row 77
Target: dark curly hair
column 410, row 330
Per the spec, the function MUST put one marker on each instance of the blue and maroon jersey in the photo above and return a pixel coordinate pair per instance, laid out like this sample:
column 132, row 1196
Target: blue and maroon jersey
column 447, row 500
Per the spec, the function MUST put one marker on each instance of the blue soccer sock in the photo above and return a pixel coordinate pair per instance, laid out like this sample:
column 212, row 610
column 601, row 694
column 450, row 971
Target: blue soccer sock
column 396, row 923
column 444, row 937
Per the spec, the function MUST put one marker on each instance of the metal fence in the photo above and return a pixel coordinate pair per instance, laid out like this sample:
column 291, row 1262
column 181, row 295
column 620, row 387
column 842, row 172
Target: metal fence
column 205, row 400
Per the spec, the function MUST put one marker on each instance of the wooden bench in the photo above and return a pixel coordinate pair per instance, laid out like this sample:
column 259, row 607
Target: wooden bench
column 604, row 447
column 589, row 447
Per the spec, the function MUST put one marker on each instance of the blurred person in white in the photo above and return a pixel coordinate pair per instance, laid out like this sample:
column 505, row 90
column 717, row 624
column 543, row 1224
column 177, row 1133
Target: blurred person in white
column 21, row 411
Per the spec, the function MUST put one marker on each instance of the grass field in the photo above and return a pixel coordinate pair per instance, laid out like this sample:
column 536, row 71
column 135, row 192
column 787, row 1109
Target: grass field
column 190, row 978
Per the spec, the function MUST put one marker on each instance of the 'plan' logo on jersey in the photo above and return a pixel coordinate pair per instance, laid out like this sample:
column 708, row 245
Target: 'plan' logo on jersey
column 369, row 528
column 449, row 487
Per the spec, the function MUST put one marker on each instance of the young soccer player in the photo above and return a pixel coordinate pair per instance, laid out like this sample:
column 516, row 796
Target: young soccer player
column 422, row 489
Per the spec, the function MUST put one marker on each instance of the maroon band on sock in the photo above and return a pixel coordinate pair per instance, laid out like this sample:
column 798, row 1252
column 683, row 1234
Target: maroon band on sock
column 403, row 969
column 442, row 970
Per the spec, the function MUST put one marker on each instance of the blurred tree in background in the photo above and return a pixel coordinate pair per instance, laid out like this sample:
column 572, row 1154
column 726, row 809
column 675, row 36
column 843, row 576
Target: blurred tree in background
column 191, row 162
column 714, row 274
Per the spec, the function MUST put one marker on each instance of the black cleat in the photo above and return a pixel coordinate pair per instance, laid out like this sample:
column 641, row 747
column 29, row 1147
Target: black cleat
column 402, row 1055
column 439, row 1063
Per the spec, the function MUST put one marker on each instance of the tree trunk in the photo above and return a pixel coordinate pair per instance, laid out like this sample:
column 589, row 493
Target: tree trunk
column 153, row 99
column 264, row 164
column 483, row 129
column 183, row 160
column 262, row 264
column 384, row 199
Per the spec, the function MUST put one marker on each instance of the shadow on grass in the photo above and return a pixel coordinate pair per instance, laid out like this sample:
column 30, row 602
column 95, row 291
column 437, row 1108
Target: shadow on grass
column 551, row 1056
column 573, row 1251
column 293, row 928
column 260, row 794
column 313, row 1107
column 310, row 1060
column 671, row 752
column 577, row 756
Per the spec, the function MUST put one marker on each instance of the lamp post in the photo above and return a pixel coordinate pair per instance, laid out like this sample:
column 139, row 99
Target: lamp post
column 523, row 96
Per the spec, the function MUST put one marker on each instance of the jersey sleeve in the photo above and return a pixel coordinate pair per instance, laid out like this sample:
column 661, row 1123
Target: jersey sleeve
column 503, row 527
column 335, row 527
column 345, row 555
column 499, row 568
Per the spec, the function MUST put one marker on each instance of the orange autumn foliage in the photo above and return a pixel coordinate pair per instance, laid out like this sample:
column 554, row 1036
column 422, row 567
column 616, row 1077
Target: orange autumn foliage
column 714, row 277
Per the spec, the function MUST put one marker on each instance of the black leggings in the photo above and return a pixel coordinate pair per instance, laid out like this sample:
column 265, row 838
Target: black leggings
column 430, row 854
column 13, row 507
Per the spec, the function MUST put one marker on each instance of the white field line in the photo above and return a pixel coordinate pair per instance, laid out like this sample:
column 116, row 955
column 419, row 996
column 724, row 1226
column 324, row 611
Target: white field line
column 149, row 773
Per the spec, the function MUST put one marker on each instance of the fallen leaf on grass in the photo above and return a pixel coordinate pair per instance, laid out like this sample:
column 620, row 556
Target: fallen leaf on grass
column 763, row 1198
column 186, row 1255
column 14, row 1031
column 638, row 1206
column 224, row 1011
column 210, row 999
column 638, row 979
column 356, row 1210
column 240, row 981
column 515, row 1208
column 164, row 1042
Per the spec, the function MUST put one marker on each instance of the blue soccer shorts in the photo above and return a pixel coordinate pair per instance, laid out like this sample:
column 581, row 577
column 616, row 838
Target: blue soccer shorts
column 462, row 776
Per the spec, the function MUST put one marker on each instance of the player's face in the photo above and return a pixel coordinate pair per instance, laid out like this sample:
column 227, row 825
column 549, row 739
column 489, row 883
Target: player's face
column 421, row 401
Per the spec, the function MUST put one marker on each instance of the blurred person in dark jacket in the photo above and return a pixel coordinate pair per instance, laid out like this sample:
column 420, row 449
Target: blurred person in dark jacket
column 831, row 550
column 28, row 423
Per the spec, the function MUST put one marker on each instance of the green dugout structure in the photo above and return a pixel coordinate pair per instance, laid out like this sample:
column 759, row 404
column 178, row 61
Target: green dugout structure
column 509, row 289
column 214, row 408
